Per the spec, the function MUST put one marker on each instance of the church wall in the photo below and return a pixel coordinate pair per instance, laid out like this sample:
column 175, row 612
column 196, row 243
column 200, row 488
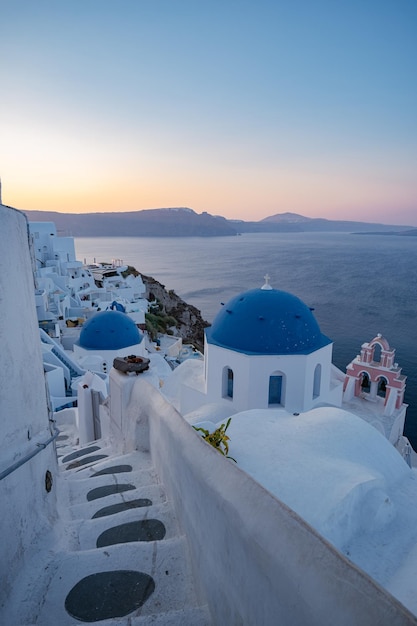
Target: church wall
column 259, row 373
column 216, row 359
column 324, row 358
column 252, row 374
column 292, row 370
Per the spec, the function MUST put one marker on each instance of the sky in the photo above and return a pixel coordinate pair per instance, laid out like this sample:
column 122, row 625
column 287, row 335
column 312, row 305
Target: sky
column 240, row 108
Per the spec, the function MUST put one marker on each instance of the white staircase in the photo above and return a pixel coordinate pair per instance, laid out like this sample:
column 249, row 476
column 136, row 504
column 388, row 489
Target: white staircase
column 140, row 533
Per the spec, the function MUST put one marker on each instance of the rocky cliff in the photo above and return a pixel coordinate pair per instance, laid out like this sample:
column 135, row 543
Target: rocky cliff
column 171, row 311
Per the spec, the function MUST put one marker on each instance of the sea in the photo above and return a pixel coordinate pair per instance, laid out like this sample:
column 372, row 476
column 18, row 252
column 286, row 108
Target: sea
column 358, row 285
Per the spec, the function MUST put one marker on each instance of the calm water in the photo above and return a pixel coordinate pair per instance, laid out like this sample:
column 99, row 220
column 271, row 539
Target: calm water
column 359, row 285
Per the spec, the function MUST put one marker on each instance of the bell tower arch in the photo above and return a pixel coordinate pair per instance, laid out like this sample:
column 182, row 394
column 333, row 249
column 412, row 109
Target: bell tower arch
column 374, row 377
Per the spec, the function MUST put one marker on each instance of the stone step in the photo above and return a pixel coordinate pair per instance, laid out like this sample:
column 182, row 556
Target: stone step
column 138, row 461
column 90, row 530
column 165, row 562
column 155, row 494
column 118, row 559
column 78, row 488
column 73, row 461
column 119, row 545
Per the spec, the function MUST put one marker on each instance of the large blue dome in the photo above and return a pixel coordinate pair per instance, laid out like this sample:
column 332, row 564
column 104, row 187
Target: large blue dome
column 266, row 321
column 109, row 330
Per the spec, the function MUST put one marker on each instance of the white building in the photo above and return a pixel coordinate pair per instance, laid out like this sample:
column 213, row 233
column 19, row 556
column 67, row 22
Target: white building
column 265, row 350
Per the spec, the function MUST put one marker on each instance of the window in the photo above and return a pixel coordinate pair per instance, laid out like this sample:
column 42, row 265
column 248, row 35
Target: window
column 317, row 381
column 365, row 383
column 227, row 382
column 275, row 389
column 382, row 387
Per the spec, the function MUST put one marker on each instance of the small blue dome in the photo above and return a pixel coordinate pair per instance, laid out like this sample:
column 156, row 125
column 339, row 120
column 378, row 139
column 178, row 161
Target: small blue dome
column 266, row 321
column 109, row 330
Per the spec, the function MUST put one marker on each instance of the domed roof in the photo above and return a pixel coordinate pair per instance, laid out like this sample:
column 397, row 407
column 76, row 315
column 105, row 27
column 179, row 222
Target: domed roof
column 109, row 330
column 266, row 321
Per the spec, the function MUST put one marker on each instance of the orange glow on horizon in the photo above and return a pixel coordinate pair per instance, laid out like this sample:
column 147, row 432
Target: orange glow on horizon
column 252, row 207
column 107, row 178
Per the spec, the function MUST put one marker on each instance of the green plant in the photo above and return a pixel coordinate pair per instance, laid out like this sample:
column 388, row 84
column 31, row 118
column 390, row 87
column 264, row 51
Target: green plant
column 151, row 326
column 218, row 438
column 158, row 323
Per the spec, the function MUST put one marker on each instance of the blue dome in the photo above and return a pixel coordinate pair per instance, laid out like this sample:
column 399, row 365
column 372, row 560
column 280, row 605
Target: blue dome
column 109, row 330
column 266, row 321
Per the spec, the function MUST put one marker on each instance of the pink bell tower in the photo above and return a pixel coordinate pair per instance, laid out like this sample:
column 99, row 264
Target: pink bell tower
column 374, row 380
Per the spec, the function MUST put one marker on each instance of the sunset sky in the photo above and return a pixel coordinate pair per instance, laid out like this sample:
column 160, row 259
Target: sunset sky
column 239, row 108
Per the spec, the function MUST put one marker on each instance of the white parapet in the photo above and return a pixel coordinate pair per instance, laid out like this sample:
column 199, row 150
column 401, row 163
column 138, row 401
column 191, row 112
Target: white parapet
column 255, row 560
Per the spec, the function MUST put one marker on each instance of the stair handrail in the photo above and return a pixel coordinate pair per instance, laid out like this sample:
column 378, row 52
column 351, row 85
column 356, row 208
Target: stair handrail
column 27, row 457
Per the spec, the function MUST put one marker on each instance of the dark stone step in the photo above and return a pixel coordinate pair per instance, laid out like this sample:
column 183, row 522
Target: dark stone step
column 122, row 506
column 142, row 530
column 86, row 460
column 78, row 453
column 107, row 490
column 115, row 469
column 108, row 595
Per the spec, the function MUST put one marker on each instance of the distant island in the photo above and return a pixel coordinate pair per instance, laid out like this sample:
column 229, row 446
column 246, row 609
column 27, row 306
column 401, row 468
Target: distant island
column 185, row 222
column 401, row 233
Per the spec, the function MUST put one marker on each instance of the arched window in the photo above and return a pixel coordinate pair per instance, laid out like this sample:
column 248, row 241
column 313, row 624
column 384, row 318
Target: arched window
column 227, row 382
column 377, row 353
column 276, row 388
column 317, row 381
column 365, row 383
column 382, row 387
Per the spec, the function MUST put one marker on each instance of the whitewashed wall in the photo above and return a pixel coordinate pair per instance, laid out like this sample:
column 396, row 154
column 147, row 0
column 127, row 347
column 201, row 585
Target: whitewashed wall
column 252, row 372
column 26, row 508
column 255, row 561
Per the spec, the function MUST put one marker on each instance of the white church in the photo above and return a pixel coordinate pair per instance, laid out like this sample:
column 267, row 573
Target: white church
column 265, row 350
